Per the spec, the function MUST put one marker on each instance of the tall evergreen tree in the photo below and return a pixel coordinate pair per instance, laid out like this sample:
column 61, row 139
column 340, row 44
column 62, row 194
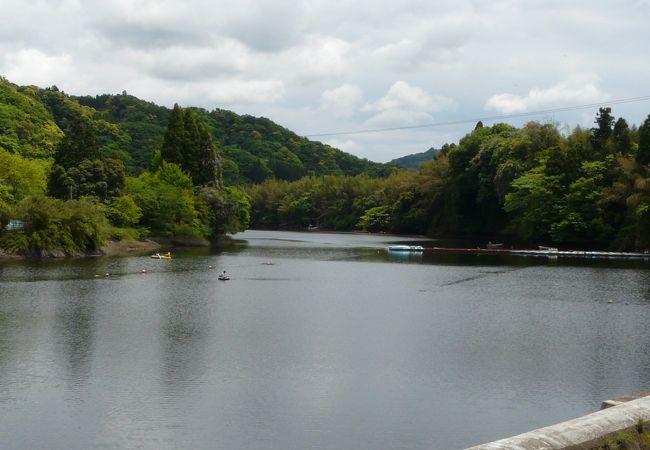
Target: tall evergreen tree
column 603, row 131
column 175, row 137
column 188, row 143
column 621, row 135
column 78, row 144
column 643, row 153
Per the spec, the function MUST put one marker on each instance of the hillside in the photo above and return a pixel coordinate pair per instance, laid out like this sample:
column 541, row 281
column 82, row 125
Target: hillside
column 33, row 120
column 415, row 160
column 26, row 126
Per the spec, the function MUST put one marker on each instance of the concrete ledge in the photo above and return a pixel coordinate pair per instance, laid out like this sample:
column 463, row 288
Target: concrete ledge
column 585, row 432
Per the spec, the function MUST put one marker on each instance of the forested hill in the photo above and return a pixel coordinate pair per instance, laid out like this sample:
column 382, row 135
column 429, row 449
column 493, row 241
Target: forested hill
column 33, row 120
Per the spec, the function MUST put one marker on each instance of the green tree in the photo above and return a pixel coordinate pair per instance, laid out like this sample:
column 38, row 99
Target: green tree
column 123, row 211
column 78, row 144
column 643, row 152
column 581, row 217
column 375, row 219
column 21, row 176
column 534, row 203
column 96, row 178
column 73, row 227
column 188, row 143
column 603, row 131
column 224, row 211
column 621, row 135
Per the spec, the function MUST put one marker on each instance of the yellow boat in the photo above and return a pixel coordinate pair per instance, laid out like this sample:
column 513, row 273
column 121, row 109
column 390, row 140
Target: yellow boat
column 167, row 255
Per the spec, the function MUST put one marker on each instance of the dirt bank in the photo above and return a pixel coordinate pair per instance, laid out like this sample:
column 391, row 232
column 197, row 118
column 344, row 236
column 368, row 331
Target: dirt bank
column 129, row 246
column 112, row 248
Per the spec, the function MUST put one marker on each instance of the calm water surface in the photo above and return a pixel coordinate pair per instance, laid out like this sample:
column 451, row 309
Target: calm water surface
column 319, row 341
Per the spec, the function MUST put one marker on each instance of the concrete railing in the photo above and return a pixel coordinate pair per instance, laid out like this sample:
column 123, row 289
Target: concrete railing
column 586, row 432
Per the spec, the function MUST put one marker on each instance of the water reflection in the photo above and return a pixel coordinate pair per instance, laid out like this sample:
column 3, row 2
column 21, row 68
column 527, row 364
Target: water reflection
column 336, row 344
column 75, row 329
column 185, row 328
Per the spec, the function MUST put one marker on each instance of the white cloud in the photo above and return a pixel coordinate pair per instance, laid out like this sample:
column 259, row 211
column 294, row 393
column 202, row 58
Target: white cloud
column 190, row 63
column 342, row 101
column 576, row 91
column 399, row 118
column 237, row 91
column 402, row 95
column 41, row 69
column 318, row 66
column 405, row 105
column 206, row 93
column 318, row 57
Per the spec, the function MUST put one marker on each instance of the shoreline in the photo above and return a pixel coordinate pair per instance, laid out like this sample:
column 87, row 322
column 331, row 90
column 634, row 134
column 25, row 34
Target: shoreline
column 112, row 248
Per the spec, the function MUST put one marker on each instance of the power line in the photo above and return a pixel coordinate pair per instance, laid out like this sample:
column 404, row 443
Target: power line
column 487, row 118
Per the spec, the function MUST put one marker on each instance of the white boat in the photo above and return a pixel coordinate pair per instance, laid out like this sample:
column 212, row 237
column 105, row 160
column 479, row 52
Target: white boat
column 405, row 248
column 223, row 277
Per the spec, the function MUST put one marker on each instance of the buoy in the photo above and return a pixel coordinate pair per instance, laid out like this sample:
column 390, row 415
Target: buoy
column 143, row 270
column 210, row 267
column 610, row 301
column 108, row 274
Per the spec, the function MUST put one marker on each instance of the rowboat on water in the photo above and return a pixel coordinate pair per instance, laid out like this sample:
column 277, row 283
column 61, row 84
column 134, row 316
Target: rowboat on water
column 157, row 255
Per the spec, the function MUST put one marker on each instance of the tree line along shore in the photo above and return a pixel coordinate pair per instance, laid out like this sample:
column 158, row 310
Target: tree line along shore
column 78, row 172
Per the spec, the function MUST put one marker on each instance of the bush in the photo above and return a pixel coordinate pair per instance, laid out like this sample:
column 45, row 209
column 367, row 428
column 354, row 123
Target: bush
column 72, row 227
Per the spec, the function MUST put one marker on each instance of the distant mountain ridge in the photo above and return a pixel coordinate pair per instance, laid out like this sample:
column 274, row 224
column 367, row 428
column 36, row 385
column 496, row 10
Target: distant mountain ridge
column 33, row 120
column 414, row 160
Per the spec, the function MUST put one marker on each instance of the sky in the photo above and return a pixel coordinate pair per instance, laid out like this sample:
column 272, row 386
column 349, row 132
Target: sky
column 320, row 67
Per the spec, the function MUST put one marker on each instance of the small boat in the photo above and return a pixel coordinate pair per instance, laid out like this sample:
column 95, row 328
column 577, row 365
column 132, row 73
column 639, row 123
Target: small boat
column 492, row 245
column 405, row 248
column 223, row 277
column 157, row 255
column 547, row 249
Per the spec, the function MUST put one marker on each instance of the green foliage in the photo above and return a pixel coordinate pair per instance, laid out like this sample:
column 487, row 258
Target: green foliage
column 95, row 178
column 533, row 204
column 329, row 202
column 590, row 187
column 72, row 227
column 603, row 131
column 78, row 144
column 166, row 208
column 262, row 149
column 123, row 211
column 26, row 127
column 622, row 137
column 5, row 213
column 21, row 177
column 643, row 152
column 224, row 211
column 141, row 125
column 530, row 183
column 173, row 174
column 189, row 144
column 375, row 219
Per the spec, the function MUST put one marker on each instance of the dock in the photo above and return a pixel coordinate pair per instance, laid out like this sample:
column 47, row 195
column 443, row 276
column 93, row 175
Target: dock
column 552, row 253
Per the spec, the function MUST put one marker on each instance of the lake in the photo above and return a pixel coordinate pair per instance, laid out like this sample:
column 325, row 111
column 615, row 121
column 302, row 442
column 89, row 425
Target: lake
column 319, row 341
